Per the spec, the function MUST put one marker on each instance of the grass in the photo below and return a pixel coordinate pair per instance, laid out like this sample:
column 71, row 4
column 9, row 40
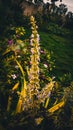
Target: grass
column 62, row 48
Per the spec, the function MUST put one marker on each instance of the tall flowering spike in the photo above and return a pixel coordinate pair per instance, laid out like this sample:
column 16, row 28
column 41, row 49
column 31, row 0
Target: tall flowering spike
column 34, row 60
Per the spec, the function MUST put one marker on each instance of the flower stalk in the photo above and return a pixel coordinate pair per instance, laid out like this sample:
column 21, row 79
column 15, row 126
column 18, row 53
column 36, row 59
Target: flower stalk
column 34, row 84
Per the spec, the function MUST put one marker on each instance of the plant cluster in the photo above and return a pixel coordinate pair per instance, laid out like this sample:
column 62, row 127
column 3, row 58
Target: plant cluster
column 33, row 94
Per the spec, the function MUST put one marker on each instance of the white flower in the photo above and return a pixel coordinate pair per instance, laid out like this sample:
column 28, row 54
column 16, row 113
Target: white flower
column 38, row 38
column 53, row 77
column 45, row 65
column 18, row 56
column 32, row 36
column 16, row 67
column 49, row 94
column 14, row 76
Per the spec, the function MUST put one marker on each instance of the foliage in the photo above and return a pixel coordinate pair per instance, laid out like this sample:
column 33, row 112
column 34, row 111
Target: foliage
column 16, row 66
column 28, row 95
column 34, row 69
column 66, row 79
column 56, row 29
